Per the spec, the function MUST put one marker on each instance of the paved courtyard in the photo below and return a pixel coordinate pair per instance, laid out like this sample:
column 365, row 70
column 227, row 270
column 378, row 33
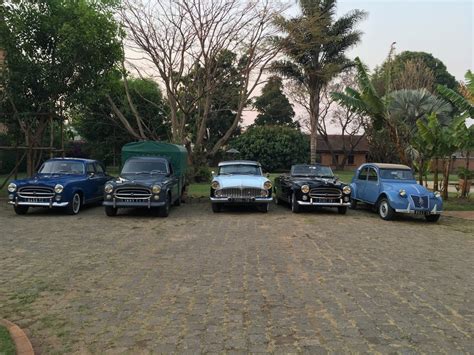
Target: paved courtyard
column 238, row 281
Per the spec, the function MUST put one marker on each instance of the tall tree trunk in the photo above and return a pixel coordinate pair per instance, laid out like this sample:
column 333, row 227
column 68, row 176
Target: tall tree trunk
column 465, row 185
column 447, row 169
column 435, row 175
column 314, row 120
column 420, row 172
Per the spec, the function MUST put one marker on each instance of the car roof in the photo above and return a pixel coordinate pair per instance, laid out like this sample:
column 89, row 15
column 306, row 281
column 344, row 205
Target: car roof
column 148, row 158
column 317, row 164
column 240, row 162
column 389, row 166
column 82, row 160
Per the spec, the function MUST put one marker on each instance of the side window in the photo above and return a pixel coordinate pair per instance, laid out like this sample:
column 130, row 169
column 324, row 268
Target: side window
column 363, row 174
column 90, row 169
column 171, row 169
column 99, row 169
column 372, row 175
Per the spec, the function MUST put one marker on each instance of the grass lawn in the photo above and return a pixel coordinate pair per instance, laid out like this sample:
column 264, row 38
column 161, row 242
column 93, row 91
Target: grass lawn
column 7, row 347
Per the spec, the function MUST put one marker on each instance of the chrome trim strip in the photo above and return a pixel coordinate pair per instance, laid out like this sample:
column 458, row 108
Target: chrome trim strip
column 323, row 204
column 41, row 204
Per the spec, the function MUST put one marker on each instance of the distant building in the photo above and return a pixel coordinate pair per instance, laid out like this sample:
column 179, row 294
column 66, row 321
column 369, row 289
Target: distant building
column 337, row 147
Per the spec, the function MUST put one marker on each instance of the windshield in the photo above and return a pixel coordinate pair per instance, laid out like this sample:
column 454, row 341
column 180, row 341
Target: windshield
column 62, row 167
column 144, row 167
column 240, row 169
column 396, row 174
column 312, row 170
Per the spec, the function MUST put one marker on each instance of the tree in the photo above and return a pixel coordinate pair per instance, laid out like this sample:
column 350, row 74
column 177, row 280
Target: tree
column 182, row 39
column 59, row 53
column 95, row 121
column 315, row 46
column 273, row 106
column 410, row 70
column 275, row 147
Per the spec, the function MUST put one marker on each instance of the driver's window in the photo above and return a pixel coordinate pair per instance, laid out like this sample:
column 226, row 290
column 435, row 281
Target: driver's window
column 99, row 169
column 90, row 169
column 372, row 175
column 363, row 174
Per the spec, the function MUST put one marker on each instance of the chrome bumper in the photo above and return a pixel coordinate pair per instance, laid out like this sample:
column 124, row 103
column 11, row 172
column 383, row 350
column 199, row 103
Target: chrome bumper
column 117, row 203
column 39, row 204
column 328, row 204
column 408, row 210
column 249, row 200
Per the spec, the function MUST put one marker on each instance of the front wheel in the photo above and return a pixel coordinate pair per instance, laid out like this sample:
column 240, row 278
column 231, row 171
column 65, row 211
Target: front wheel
column 295, row 208
column 165, row 210
column 432, row 217
column 386, row 212
column 216, row 208
column 342, row 210
column 264, row 207
column 21, row 210
column 110, row 211
column 74, row 205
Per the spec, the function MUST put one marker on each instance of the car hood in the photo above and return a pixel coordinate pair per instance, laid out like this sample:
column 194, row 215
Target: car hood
column 240, row 181
column 48, row 180
column 410, row 188
column 316, row 182
column 140, row 180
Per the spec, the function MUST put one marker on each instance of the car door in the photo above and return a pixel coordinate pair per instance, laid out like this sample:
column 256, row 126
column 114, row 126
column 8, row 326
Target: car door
column 90, row 186
column 360, row 182
column 102, row 178
column 371, row 191
column 174, row 184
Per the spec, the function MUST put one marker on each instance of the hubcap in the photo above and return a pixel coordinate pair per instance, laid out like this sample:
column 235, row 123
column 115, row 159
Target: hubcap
column 76, row 203
column 383, row 209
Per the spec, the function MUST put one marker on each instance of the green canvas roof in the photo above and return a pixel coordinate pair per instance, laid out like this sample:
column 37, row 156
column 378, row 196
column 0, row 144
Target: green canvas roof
column 177, row 154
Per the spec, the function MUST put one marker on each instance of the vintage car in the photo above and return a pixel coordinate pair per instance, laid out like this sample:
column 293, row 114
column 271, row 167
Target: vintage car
column 240, row 182
column 60, row 182
column 391, row 189
column 312, row 185
column 147, row 182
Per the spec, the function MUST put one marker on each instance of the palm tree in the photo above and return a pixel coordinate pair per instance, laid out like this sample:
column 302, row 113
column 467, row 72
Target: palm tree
column 315, row 44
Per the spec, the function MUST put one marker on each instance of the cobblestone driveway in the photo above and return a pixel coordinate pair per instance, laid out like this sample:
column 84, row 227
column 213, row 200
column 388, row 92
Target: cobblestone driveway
column 237, row 281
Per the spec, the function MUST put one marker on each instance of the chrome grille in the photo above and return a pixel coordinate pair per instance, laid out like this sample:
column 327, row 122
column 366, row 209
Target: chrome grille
column 326, row 193
column 136, row 193
column 245, row 192
column 36, row 192
column 420, row 201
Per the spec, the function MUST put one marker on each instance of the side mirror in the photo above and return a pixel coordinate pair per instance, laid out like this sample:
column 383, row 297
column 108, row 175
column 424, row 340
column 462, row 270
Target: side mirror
column 91, row 175
column 336, row 177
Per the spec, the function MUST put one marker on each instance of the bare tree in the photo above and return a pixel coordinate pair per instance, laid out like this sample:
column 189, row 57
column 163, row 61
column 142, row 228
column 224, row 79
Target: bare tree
column 181, row 40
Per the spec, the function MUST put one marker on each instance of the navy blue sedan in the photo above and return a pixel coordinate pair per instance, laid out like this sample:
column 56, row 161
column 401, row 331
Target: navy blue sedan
column 60, row 182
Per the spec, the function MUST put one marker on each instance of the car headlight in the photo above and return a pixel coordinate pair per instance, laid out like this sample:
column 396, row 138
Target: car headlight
column 58, row 188
column 402, row 192
column 11, row 187
column 156, row 189
column 437, row 194
column 215, row 185
column 347, row 190
column 108, row 188
column 305, row 189
column 267, row 185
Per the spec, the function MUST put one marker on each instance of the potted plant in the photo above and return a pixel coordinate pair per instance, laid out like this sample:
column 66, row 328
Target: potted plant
column 465, row 176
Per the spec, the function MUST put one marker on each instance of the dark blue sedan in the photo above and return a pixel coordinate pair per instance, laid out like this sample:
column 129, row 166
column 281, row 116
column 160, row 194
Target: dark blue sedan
column 60, row 182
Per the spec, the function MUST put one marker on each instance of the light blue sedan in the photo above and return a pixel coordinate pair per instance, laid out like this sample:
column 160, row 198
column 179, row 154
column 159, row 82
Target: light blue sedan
column 391, row 189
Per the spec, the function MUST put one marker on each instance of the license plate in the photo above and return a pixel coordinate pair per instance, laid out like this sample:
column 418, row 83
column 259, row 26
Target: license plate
column 132, row 200
column 37, row 200
column 325, row 200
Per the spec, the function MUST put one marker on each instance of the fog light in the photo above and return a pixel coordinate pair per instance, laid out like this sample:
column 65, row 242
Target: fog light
column 305, row 197
column 108, row 197
column 346, row 199
column 58, row 197
column 11, row 197
column 156, row 197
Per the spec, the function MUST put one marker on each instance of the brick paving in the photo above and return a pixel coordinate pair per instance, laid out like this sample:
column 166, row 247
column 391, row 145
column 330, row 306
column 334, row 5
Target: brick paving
column 237, row 282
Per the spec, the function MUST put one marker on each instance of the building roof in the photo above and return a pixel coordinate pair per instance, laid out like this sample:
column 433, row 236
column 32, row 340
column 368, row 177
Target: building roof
column 243, row 162
column 337, row 142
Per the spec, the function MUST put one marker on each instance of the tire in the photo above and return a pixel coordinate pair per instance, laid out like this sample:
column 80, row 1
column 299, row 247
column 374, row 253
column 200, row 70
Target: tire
column 353, row 205
column 342, row 210
column 21, row 210
column 264, row 207
column 216, row 208
column 74, row 205
column 295, row 208
column 386, row 212
column 165, row 210
column 111, row 211
column 432, row 217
